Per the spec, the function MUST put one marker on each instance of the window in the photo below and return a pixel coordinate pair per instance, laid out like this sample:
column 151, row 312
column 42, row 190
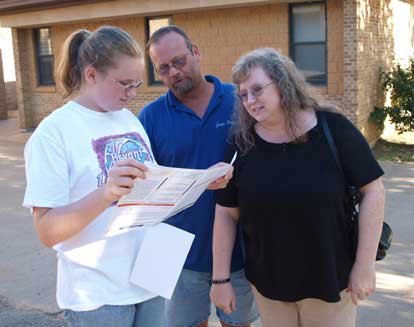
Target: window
column 308, row 40
column 44, row 56
column 152, row 25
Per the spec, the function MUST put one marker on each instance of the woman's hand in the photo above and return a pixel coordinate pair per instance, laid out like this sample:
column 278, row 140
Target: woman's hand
column 361, row 281
column 121, row 178
column 223, row 297
column 222, row 181
column 371, row 215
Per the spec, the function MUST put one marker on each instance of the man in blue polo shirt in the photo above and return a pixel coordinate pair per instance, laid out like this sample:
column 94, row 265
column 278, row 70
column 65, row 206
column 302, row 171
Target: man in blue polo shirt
column 188, row 128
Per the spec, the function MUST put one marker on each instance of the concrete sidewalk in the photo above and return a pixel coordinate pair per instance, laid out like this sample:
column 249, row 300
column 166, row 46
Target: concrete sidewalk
column 28, row 270
column 10, row 131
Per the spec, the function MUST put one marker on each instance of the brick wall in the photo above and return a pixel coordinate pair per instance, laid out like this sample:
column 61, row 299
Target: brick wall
column 333, row 94
column 3, row 103
column 368, row 47
column 11, row 97
column 375, row 51
column 22, row 48
column 350, row 101
column 222, row 35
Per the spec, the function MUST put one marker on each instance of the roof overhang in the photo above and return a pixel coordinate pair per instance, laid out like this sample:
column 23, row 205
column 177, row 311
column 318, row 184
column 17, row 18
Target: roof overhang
column 54, row 12
column 18, row 6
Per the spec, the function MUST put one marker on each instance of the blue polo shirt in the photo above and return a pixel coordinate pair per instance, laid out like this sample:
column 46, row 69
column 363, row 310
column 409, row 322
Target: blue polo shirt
column 179, row 138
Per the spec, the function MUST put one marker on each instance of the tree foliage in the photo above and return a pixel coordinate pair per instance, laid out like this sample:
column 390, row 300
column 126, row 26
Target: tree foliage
column 400, row 82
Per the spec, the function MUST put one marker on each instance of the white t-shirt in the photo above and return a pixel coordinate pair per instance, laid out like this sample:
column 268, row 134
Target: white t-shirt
column 67, row 157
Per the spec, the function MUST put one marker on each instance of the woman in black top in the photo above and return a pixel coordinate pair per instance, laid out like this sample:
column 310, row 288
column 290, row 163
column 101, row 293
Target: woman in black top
column 290, row 199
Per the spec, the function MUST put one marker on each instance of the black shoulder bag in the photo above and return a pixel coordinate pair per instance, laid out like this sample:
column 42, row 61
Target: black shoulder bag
column 354, row 198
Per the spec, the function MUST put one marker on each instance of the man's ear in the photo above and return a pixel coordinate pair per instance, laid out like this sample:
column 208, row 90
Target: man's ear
column 90, row 75
column 152, row 54
column 196, row 52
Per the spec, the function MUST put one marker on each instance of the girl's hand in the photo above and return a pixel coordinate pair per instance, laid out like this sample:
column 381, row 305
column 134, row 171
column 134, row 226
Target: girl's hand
column 223, row 297
column 121, row 178
column 361, row 281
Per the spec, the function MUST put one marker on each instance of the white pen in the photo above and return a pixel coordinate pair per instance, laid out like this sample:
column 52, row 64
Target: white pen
column 234, row 158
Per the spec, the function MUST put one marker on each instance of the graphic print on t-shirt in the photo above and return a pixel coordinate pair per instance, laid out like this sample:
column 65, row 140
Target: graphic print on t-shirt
column 113, row 148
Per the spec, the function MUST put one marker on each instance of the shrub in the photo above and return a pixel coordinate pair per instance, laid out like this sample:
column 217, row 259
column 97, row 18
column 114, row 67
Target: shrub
column 400, row 82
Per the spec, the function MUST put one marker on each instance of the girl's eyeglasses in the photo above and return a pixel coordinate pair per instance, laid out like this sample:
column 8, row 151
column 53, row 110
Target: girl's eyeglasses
column 128, row 86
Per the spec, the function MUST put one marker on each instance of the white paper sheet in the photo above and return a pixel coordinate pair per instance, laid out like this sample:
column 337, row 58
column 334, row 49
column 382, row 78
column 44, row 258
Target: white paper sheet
column 165, row 192
column 161, row 259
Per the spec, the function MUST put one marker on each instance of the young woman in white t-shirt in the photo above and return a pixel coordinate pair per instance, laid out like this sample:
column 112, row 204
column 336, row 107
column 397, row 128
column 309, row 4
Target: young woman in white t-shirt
column 76, row 170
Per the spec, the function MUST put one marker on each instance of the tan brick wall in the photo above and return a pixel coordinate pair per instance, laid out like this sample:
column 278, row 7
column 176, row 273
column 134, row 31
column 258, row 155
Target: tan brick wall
column 350, row 101
column 3, row 103
column 222, row 35
column 368, row 46
column 22, row 44
column 45, row 103
column 375, row 51
column 11, row 96
column 335, row 40
column 334, row 92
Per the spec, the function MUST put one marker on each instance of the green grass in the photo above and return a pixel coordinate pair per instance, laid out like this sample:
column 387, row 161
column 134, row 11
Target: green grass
column 396, row 152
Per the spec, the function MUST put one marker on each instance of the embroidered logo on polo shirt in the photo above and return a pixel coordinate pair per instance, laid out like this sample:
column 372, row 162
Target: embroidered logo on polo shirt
column 223, row 124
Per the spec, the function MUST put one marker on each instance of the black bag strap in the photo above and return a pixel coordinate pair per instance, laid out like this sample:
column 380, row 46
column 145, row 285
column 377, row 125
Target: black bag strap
column 331, row 143
column 353, row 192
column 386, row 234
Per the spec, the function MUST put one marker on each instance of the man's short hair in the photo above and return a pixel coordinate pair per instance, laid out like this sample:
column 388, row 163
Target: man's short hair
column 158, row 34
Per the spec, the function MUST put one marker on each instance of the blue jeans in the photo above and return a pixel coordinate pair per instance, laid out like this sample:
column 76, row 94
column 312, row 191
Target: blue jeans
column 149, row 313
column 190, row 304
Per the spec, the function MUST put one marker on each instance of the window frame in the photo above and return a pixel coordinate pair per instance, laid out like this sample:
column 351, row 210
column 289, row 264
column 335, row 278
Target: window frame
column 151, row 69
column 323, row 82
column 36, row 38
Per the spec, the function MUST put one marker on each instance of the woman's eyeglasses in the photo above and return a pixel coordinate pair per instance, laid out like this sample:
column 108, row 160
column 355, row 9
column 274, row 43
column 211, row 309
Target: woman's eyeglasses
column 255, row 92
